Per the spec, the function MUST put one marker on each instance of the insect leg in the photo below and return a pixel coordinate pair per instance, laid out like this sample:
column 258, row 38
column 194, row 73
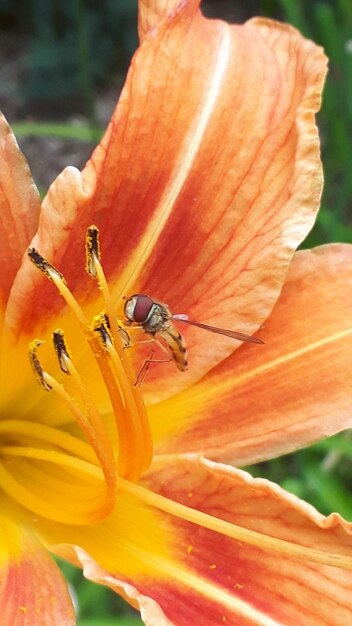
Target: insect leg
column 145, row 367
column 132, row 342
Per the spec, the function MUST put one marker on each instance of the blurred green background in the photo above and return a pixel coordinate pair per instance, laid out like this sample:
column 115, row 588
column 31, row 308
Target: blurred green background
column 63, row 63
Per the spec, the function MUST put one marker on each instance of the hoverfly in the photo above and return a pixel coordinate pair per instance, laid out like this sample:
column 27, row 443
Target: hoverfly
column 156, row 318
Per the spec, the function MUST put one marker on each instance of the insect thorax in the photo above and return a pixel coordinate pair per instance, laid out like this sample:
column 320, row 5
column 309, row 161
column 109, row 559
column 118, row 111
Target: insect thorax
column 159, row 319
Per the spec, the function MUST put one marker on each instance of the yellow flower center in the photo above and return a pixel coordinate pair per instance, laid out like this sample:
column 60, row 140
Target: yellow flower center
column 86, row 468
column 96, row 462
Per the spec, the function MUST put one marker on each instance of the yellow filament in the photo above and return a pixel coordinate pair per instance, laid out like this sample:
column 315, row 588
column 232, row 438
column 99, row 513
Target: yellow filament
column 48, row 434
column 70, row 300
column 139, row 424
column 136, row 428
column 52, row 456
column 130, row 433
column 97, row 437
column 130, row 451
column 70, row 513
column 125, row 459
column 92, row 413
column 252, row 537
column 93, row 343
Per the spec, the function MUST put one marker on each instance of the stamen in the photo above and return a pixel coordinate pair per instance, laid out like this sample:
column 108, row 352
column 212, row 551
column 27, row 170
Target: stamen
column 23, row 429
column 59, row 281
column 95, row 346
column 37, row 368
column 128, row 420
column 135, row 441
column 79, row 512
column 61, row 350
column 251, row 537
column 90, row 423
column 129, row 433
column 44, row 266
column 61, row 458
column 122, row 367
column 101, row 325
column 98, row 438
column 92, row 250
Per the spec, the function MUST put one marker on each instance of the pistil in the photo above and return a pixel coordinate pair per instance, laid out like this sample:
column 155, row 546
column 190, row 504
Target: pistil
column 245, row 535
column 164, row 504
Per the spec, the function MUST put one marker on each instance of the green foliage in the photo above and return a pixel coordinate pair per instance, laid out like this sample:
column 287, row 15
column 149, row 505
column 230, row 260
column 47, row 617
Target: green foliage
column 98, row 605
column 320, row 474
column 61, row 131
column 329, row 23
column 122, row 621
column 71, row 45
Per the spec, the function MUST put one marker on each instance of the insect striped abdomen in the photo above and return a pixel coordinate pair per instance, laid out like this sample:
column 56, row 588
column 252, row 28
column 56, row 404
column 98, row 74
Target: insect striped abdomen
column 176, row 345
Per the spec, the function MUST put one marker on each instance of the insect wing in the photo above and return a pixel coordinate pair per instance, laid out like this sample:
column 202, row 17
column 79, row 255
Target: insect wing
column 220, row 331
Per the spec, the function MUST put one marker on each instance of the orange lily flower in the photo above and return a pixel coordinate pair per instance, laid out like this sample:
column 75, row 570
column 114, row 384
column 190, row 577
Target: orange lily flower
column 205, row 182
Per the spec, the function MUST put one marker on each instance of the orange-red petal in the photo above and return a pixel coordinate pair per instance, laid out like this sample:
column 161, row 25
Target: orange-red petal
column 19, row 209
column 206, row 180
column 151, row 12
column 32, row 589
column 264, row 401
column 202, row 577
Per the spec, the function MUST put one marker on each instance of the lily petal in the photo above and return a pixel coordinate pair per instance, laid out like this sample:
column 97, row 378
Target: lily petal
column 151, row 12
column 294, row 390
column 32, row 589
column 198, row 192
column 203, row 577
column 19, row 209
column 150, row 610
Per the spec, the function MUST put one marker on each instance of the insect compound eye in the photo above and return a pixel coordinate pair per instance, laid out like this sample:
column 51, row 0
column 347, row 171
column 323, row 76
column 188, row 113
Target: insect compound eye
column 129, row 308
column 142, row 308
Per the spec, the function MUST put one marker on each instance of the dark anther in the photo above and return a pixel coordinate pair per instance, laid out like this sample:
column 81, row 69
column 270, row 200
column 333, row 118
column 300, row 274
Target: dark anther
column 37, row 368
column 43, row 265
column 104, row 334
column 107, row 328
column 92, row 249
column 61, row 350
column 106, row 321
